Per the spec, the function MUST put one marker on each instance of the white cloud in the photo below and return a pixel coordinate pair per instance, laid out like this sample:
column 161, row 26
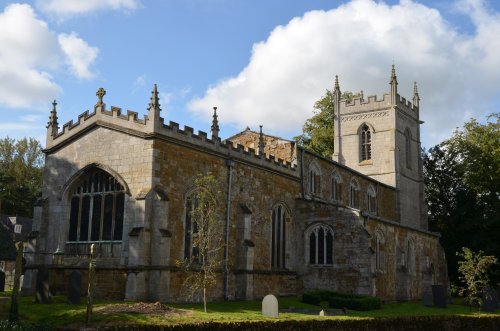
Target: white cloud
column 66, row 8
column 79, row 55
column 359, row 41
column 30, row 53
column 28, row 49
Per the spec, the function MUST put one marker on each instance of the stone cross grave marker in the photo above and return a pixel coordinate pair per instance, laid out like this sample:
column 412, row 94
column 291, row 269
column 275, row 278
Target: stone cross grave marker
column 74, row 288
column 270, row 306
column 42, row 286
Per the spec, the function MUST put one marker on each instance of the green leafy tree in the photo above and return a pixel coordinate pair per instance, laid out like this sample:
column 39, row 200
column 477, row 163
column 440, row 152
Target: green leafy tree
column 474, row 273
column 21, row 164
column 462, row 177
column 317, row 131
column 206, row 236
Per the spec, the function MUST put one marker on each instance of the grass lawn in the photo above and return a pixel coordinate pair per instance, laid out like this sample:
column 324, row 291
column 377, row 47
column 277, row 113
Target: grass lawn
column 59, row 313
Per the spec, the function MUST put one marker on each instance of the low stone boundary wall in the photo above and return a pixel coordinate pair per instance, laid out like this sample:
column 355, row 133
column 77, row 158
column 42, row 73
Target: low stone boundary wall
column 420, row 323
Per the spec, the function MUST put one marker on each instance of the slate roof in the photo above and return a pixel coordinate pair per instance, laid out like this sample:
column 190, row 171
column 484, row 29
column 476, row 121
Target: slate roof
column 8, row 235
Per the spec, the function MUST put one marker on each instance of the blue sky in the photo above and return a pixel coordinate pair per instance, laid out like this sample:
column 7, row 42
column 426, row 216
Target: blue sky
column 260, row 61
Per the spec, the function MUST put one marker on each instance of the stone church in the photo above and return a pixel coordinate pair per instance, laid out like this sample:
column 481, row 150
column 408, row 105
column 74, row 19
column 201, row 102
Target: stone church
column 296, row 221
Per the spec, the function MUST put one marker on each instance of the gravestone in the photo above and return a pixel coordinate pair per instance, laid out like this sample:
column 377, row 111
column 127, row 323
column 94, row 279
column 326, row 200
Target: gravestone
column 74, row 288
column 439, row 295
column 270, row 306
column 490, row 299
column 427, row 298
column 2, row 281
column 42, row 286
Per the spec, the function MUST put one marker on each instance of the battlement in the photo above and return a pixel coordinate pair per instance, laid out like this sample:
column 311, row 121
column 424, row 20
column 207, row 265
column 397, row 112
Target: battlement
column 372, row 103
column 144, row 127
column 226, row 147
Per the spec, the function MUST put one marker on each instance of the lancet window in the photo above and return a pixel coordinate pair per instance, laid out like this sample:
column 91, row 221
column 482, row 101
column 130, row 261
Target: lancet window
column 371, row 196
column 190, row 228
column 336, row 187
column 354, row 194
column 278, row 237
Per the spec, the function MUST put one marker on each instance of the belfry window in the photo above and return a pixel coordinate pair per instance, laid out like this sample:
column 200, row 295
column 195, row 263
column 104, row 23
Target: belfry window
column 97, row 208
column 366, row 143
column 278, row 237
column 190, row 228
column 321, row 245
column 354, row 194
column 408, row 148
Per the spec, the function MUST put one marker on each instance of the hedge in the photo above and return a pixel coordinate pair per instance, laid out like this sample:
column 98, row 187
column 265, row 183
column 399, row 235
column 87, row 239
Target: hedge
column 414, row 323
column 340, row 300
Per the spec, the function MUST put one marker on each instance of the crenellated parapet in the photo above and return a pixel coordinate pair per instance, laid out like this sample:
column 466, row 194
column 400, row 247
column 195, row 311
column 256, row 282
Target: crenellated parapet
column 152, row 126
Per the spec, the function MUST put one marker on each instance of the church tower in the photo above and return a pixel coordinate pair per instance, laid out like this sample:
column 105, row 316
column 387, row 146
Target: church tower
column 381, row 139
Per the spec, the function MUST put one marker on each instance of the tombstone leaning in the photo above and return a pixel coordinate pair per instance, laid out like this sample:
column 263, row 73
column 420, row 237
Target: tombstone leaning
column 270, row 306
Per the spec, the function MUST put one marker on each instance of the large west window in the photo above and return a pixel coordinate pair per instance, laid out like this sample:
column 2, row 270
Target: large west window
column 278, row 236
column 321, row 245
column 365, row 143
column 97, row 206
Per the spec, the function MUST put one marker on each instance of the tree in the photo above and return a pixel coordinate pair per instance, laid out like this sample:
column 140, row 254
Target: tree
column 462, row 189
column 474, row 270
column 206, row 235
column 21, row 164
column 317, row 131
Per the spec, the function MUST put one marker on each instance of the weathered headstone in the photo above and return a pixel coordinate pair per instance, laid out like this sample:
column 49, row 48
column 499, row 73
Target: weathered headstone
column 42, row 286
column 270, row 306
column 2, row 281
column 427, row 298
column 74, row 288
column 439, row 296
column 490, row 300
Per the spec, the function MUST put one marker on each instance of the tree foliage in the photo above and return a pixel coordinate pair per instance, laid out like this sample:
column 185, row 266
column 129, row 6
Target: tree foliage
column 474, row 273
column 462, row 178
column 317, row 131
column 21, row 163
column 206, row 236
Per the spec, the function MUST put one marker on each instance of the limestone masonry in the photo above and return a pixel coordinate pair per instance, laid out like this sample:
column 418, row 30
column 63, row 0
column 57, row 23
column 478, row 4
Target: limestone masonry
column 355, row 223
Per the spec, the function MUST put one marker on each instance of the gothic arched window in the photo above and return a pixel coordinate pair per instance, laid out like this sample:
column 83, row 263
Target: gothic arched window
column 336, row 187
column 190, row 227
column 410, row 256
column 366, row 143
column 97, row 206
column 278, row 236
column 320, row 245
column 314, row 179
column 371, row 196
column 354, row 194
column 408, row 148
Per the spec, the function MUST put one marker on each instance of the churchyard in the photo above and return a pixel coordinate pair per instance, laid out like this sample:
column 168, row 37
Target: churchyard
column 232, row 315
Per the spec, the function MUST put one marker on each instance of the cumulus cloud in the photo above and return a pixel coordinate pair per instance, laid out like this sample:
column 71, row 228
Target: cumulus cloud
column 30, row 53
column 28, row 50
column 79, row 55
column 65, row 8
column 359, row 41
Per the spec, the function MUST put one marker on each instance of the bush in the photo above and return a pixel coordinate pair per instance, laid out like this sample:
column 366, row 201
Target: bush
column 340, row 300
column 22, row 326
